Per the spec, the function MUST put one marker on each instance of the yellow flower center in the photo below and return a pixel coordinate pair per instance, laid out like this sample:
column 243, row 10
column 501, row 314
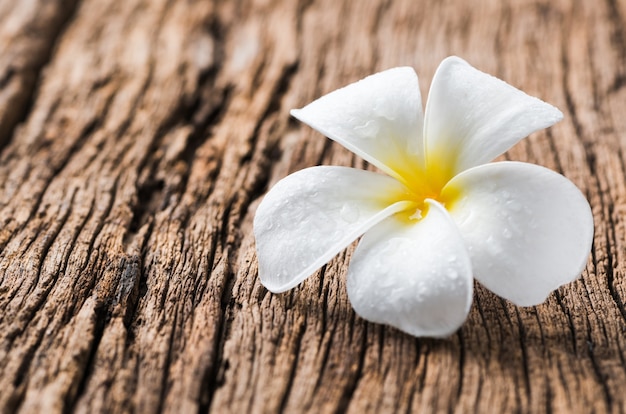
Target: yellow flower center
column 426, row 183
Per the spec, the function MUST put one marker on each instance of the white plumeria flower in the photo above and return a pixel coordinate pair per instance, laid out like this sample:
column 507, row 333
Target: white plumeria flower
column 441, row 215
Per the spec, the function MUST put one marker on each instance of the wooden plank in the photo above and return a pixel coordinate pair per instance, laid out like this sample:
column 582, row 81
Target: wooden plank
column 128, row 277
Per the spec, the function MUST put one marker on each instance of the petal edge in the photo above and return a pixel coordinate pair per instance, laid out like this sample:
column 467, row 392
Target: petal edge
column 310, row 216
column 529, row 229
column 478, row 115
column 379, row 118
column 413, row 276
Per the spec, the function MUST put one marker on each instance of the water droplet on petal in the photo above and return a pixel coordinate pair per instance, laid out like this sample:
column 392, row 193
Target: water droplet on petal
column 493, row 247
column 421, row 292
column 417, row 215
column 453, row 274
column 507, row 233
column 514, row 205
column 369, row 130
column 337, row 235
column 349, row 213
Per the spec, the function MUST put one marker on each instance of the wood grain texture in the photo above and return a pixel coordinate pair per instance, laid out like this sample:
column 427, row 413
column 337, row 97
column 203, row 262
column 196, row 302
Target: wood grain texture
column 138, row 137
column 27, row 32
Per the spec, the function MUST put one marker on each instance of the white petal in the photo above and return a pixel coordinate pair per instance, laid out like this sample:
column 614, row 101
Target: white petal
column 378, row 118
column 472, row 117
column 415, row 276
column 528, row 229
column 313, row 214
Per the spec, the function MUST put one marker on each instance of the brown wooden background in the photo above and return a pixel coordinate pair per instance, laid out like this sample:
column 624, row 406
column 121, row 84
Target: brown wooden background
column 137, row 138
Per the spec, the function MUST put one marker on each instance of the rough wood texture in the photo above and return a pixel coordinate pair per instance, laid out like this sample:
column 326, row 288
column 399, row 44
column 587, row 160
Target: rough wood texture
column 139, row 136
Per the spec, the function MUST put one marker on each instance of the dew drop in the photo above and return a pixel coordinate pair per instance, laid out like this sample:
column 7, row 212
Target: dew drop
column 369, row 130
column 514, row 205
column 383, row 110
column 453, row 274
column 337, row 235
column 349, row 213
column 493, row 247
column 421, row 293
column 386, row 282
column 417, row 215
column 507, row 233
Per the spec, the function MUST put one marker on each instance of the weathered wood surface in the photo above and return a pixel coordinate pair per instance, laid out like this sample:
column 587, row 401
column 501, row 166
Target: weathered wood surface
column 139, row 136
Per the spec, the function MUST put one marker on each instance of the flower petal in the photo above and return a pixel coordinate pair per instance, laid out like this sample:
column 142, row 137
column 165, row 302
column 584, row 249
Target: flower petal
column 415, row 276
column 378, row 118
column 528, row 229
column 311, row 215
column 472, row 117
